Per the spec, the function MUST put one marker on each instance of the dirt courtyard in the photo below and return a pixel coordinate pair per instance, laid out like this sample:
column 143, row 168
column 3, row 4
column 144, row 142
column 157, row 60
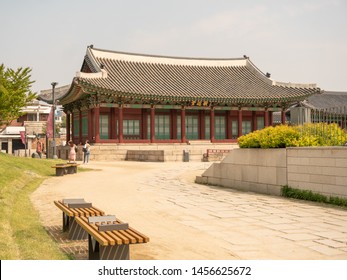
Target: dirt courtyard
column 189, row 221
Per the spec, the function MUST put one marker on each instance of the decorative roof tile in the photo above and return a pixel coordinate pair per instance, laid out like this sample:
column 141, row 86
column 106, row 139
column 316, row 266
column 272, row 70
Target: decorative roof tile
column 160, row 78
column 329, row 99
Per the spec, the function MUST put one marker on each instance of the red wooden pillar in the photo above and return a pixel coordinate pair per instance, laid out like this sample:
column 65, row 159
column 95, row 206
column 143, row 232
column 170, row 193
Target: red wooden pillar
column 68, row 127
column 144, row 123
column 173, row 124
column 254, row 121
column 266, row 117
column 229, row 125
column 97, row 124
column 120, row 123
column 212, row 124
column 113, row 123
column 183, row 125
column 152, row 119
column 271, row 121
column 72, row 136
column 283, row 116
column 90, row 124
column 239, row 125
column 202, row 132
column 80, row 136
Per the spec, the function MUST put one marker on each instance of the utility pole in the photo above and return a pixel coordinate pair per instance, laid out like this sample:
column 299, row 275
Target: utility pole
column 53, row 120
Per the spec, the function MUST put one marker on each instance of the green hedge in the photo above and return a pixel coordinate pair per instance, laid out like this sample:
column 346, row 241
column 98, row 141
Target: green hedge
column 281, row 136
column 312, row 196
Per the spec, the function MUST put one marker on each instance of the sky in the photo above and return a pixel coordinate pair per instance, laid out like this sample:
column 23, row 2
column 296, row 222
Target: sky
column 298, row 41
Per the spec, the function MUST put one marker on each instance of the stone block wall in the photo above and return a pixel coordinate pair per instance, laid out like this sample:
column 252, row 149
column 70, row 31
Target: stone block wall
column 172, row 152
column 257, row 170
column 319, row 169
column 145, row 155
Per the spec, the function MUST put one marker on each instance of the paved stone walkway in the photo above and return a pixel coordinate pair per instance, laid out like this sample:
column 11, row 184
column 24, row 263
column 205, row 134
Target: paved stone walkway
column 185, row 220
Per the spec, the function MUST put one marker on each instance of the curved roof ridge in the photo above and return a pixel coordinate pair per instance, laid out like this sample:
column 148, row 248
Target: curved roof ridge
column 295, row 85
column 46, row 95
column 161, row 59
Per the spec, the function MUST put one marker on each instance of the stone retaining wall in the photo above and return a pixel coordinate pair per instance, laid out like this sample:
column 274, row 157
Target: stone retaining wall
column 172, row 152
column 320, row 169
column 140, row 155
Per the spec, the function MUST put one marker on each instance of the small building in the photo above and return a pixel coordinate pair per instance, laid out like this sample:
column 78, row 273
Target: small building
column 32, row 123
column 134, row 98
column 330, row 106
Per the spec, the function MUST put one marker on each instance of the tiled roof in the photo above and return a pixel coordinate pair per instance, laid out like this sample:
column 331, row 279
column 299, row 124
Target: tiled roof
column 231, row 81
column 59, row 92
column 329, row 99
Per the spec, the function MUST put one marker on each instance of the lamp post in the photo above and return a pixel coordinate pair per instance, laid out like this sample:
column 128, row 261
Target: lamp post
column 53, row 120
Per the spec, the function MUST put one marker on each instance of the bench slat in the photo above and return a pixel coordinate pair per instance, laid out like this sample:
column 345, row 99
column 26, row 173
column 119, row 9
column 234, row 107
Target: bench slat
column 138, row 236
column 84, row 211
column 79, row 211
column 64, row 208
column 97, row 211
column 113, row 237
column 92, row 212
column 125, row 234
column 117, row 239
column 76, row 212
column 94, row 232
column 110, row 241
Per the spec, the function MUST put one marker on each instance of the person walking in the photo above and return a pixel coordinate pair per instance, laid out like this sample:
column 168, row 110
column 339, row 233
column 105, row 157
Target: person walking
column 39, row 147
column 72, row 152
column 86, row 152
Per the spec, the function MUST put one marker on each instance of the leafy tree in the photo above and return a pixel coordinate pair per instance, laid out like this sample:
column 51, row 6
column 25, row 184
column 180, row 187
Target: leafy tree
column 15, row 93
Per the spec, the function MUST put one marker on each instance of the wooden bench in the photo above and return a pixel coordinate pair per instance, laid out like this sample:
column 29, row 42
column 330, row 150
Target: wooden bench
column 71, row 168
column 65, row 168
column 73, row 208
column 109, row 238
column 215, row 154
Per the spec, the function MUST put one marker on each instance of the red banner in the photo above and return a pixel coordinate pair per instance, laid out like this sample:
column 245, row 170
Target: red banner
column 22, row 136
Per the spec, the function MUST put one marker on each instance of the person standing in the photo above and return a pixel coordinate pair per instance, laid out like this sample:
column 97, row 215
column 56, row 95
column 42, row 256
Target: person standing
column 39, row 147
column 72, row 152
column 86, row 152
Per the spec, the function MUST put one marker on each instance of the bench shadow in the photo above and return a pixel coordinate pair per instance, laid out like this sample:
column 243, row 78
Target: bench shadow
column 76, row 249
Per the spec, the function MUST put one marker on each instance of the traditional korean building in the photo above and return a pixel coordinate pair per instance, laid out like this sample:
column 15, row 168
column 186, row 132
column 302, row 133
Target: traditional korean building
column 331, row 106
column 134, row 98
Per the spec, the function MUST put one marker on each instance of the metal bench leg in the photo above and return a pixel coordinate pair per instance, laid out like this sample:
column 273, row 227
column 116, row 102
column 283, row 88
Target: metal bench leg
column 93, row 248
column 70, row 170
column 66, row 222
column 115, row 252
column 76, row 232
column 59, row 171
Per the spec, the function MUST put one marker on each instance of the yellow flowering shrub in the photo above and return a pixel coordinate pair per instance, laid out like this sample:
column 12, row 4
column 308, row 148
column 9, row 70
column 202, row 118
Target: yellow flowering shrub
column 318, row 134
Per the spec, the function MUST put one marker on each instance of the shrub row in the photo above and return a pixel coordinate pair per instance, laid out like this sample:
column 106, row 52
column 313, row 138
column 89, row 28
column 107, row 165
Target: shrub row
column 311, row 196
column 281, row 136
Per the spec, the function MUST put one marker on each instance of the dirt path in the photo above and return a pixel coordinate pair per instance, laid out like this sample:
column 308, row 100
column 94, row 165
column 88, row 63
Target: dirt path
column 185, row 220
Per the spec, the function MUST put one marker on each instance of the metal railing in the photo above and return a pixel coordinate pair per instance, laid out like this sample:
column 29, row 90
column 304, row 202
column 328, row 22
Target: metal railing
column 328, row 125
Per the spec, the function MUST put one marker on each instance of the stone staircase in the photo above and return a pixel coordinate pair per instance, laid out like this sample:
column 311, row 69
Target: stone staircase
column 148, row 152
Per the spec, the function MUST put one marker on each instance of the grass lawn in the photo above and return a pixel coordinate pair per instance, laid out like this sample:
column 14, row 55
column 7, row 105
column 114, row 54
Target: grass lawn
column 22, row 237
